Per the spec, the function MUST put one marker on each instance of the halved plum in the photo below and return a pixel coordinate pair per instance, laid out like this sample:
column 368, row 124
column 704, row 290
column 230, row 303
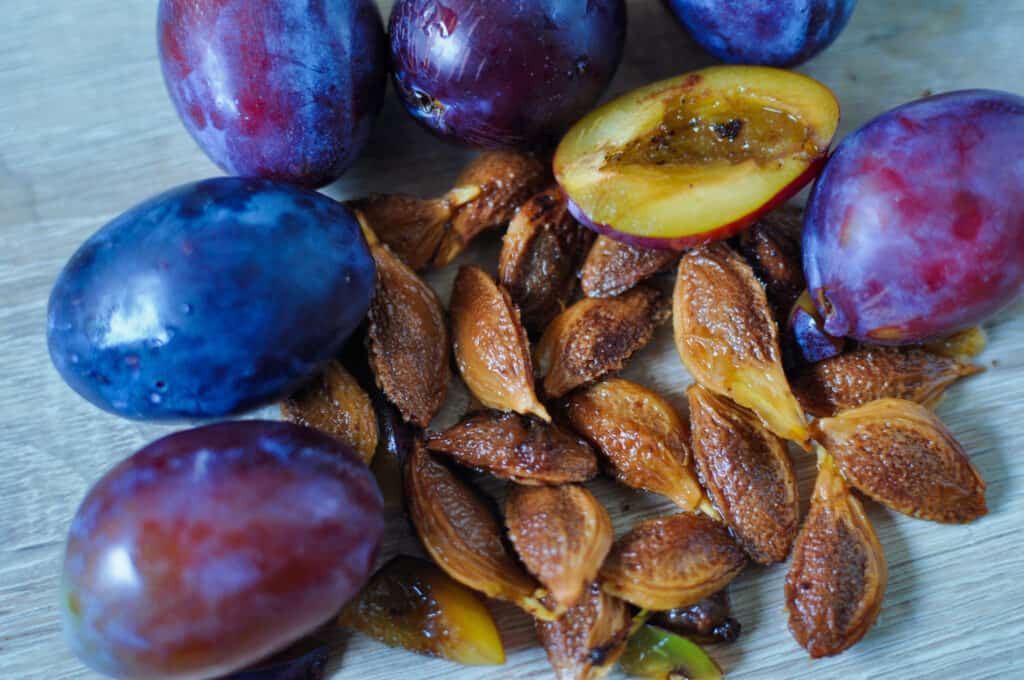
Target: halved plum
column 697, row 157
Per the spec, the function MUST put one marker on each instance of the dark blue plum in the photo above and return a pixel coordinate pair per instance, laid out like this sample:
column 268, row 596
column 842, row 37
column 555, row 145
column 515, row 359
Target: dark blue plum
column 286, row 90
column 915, row 229
column 210, row 299
column 768, row 32
column 502, row 73
column 213, row 547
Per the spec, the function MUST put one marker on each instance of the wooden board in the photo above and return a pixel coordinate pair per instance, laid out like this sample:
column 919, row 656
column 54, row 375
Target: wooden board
column 86, row 131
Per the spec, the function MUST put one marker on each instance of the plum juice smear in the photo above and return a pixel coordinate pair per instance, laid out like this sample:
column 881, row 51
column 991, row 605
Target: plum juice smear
column 731, row 129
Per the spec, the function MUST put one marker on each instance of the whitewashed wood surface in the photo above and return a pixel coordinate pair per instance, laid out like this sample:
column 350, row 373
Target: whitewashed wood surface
column 86, row 131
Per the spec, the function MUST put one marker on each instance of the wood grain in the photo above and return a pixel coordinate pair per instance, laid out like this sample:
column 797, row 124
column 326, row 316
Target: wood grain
column 86, row 131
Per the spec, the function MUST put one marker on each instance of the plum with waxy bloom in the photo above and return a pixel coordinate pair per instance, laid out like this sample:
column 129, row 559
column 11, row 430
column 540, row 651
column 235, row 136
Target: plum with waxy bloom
column 915, row 229
column 286, row 90
column 210, row 299
column 769, row 32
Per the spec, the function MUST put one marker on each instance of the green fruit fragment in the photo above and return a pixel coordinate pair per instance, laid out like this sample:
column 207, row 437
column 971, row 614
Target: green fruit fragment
column 656, row 653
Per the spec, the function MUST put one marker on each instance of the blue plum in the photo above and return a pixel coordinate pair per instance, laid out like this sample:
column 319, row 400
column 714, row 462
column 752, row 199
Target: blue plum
column 210, row 299
column 767, row 32
column 915, row 229
column 499, row 74
column 286, row 90
column 213, row 547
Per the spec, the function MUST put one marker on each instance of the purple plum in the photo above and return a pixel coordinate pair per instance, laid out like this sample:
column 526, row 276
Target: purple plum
column 210, row 299
column 915, row 229
column 286, row 90
column 213, row 547
column 500, row 74
column 767, row 32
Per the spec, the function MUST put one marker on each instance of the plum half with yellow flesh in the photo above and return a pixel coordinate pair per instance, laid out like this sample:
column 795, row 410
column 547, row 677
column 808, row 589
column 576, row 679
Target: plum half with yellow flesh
column 697, row 157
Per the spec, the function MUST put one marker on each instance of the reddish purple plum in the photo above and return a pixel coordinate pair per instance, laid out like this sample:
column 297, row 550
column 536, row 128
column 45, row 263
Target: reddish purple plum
column 501, row 74
column 915, row 229
column 285, row 90
column 765, row 32
column 211, row 548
